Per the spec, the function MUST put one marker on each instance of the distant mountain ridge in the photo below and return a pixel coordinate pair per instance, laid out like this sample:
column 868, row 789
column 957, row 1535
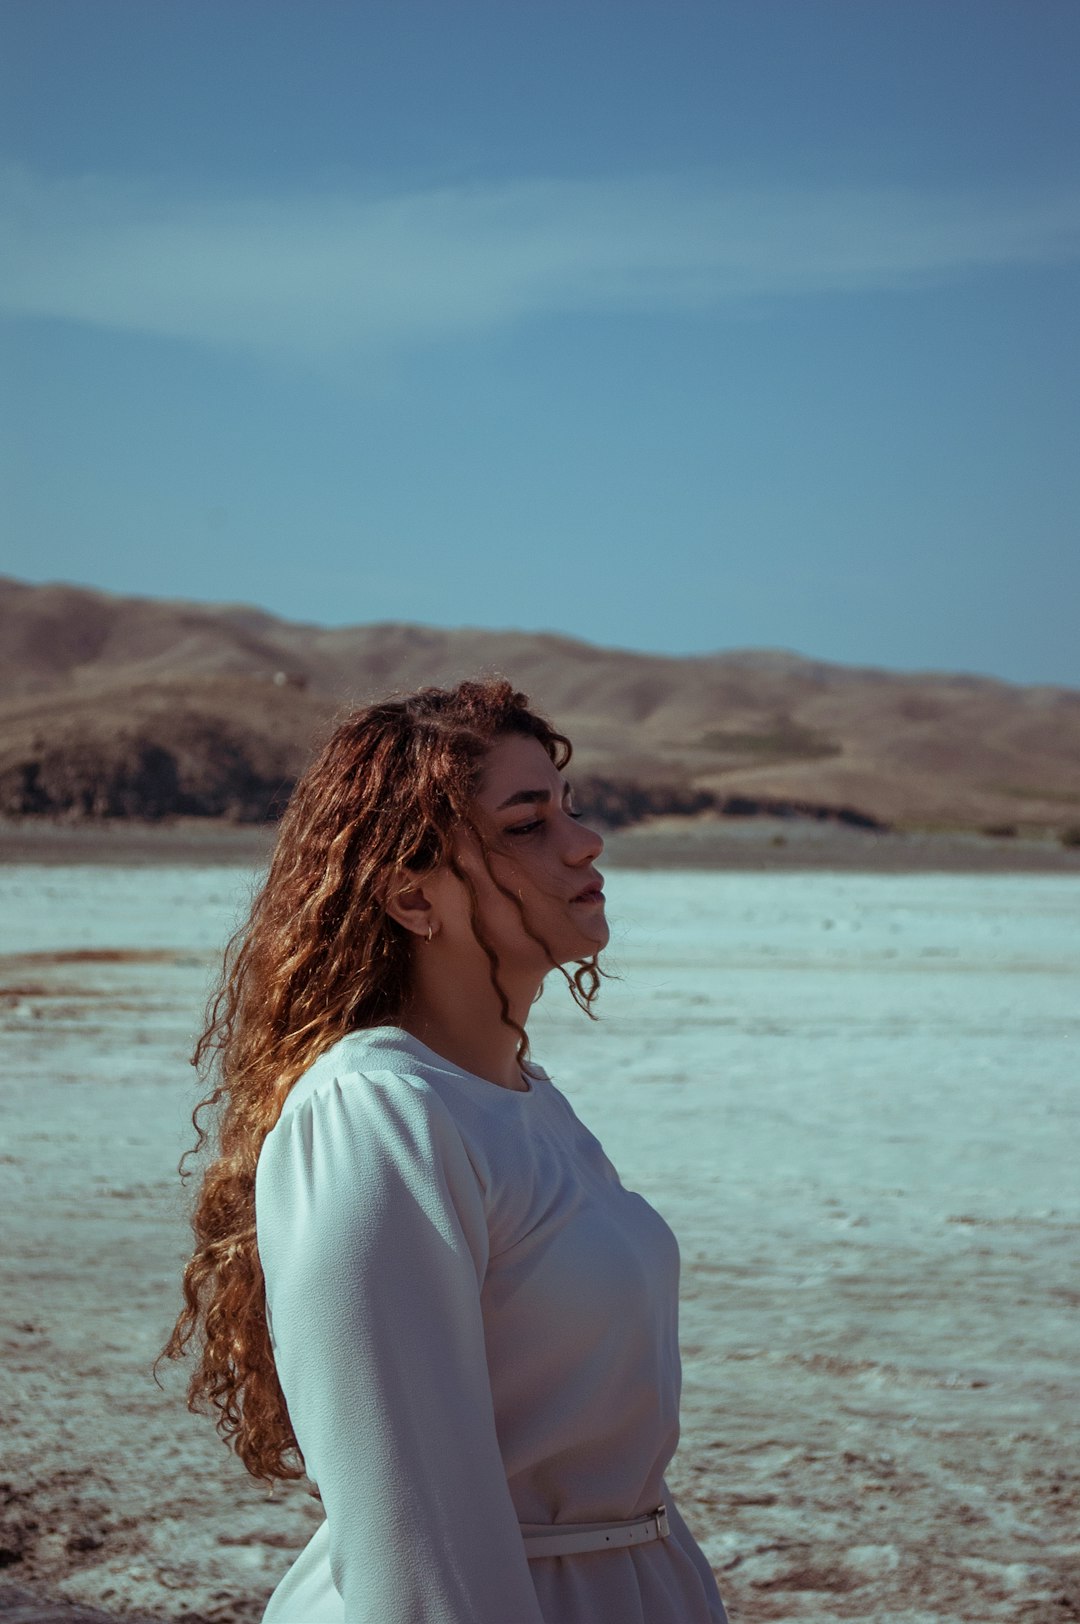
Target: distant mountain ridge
column 134, row 706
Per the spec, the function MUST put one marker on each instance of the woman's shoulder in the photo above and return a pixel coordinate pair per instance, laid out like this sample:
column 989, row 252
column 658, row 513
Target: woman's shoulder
column 378, row 1095
column 356, row 1157
column 350, row 1119
column 352, row 1079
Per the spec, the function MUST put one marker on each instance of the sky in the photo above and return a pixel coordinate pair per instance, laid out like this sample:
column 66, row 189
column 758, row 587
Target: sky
column 673, row 326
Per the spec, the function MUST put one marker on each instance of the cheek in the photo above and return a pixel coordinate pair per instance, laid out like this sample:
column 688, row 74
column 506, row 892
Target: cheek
column 525, row 881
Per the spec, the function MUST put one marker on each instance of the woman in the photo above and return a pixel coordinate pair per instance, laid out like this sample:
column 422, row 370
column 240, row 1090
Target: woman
column 417, row 1277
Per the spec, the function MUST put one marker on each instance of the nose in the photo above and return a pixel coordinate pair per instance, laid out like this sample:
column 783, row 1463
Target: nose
column 588, row 844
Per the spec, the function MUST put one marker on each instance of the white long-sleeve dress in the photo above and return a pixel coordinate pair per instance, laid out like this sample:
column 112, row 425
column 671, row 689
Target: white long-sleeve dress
column 475, row 1326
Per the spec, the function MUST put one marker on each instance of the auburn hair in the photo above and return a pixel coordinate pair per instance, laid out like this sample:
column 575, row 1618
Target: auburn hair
column 317, row 957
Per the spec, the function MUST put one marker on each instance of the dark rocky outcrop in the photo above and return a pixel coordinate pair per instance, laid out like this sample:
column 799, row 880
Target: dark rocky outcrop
column 130, row 776
column 618, row 803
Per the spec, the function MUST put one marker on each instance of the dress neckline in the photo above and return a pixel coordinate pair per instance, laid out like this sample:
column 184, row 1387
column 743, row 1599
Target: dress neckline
column 399, row 1037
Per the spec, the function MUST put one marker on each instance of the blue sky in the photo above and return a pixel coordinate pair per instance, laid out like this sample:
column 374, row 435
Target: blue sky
column 672, row 326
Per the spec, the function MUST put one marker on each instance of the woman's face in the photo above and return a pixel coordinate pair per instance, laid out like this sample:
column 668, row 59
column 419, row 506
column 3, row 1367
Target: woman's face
column 542, row 852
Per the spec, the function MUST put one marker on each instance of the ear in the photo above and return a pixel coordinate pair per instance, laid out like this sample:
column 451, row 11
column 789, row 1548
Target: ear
column 407, row 901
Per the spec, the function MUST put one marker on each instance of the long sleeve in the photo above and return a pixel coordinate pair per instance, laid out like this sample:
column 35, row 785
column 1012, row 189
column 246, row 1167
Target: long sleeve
column 374, row 1244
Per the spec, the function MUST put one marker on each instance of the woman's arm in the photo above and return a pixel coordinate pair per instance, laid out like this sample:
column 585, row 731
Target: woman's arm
column 373, row 1241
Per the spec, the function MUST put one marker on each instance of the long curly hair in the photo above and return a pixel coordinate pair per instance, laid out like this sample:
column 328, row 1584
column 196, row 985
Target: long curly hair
column 318, row 957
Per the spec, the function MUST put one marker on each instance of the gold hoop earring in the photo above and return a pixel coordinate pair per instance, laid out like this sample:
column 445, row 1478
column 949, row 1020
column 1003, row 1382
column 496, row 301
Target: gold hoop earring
column 430, row 931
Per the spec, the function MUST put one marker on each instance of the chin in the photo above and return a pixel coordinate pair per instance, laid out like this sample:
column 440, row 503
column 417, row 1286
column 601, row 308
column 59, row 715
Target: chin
column 595, row 940
column 568, row 946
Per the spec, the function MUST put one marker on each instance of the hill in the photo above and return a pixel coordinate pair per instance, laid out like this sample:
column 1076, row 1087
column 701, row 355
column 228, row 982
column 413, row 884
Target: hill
column 118, row 706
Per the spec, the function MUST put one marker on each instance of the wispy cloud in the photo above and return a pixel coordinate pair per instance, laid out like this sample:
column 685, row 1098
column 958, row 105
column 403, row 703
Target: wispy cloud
column 314, row 275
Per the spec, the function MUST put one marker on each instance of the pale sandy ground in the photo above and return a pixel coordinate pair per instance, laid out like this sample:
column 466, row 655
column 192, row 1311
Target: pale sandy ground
column 852, row 1095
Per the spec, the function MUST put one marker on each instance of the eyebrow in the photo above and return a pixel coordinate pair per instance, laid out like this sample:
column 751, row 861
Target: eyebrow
column 522, row 795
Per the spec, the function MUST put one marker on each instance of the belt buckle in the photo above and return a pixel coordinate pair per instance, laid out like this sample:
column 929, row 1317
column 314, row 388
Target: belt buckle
column 663, row 1527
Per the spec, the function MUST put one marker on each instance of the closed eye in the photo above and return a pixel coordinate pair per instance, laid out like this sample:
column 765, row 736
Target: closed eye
column 537, row 823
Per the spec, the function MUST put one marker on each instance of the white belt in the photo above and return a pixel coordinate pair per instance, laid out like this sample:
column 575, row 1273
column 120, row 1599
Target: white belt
column 565, row 1539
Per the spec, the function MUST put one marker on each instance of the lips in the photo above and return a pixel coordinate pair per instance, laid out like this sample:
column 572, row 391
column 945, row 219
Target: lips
column 593, row 892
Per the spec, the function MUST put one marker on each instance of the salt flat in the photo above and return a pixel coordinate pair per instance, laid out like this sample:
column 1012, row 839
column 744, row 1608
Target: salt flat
column 854, row 1097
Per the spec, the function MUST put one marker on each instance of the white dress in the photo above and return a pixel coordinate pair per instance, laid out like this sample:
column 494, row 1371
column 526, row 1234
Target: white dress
column 475, row 1326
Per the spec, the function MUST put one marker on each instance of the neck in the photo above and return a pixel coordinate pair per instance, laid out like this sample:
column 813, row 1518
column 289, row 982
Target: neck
column 463, row 1021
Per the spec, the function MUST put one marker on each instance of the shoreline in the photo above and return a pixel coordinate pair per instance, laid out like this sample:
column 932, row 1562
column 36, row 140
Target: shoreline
column 736, row 844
